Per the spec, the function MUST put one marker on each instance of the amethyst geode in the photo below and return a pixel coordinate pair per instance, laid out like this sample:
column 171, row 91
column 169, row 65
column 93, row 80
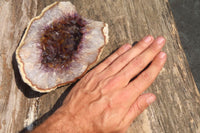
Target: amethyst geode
column 58, row 47
column 60, row 41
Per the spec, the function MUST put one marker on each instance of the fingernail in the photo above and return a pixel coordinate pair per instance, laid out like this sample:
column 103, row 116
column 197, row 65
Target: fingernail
column 147, row 39
column 162, row 55
column 151, row 99
column 160, row 40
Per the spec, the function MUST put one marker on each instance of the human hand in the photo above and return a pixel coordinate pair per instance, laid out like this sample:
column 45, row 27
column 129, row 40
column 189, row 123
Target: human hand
column 106, row 99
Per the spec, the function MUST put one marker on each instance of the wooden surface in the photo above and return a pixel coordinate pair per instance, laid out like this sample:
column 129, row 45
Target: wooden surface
column 177, row 108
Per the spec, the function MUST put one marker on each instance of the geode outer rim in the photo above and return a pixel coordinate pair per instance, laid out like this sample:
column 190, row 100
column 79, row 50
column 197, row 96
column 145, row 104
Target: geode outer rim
column 21, row 63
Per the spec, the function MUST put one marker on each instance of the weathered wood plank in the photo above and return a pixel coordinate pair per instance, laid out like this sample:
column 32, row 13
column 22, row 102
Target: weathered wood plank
column 178, row 101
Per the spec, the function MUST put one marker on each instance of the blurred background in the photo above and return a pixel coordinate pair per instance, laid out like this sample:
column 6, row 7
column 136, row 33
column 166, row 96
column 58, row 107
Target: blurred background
column 187, row 17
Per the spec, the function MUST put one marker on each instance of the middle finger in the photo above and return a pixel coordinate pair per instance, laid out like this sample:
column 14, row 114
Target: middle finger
column 136, row 65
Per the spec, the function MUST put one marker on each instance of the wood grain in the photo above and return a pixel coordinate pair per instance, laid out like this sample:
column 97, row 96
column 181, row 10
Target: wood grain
column 177, row 108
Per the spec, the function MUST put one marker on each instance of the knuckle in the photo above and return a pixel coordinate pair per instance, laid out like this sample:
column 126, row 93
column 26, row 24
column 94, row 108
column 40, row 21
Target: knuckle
column 103, row 65
column 109, row 105
column 88, row 76
column 142, row 45
column 154, row 49
column 120, row 60
column 146, row 76
column 137, row 88
column 101, row 84
column 138, row 62
column 118, row 52
column 114, row 80
column 109, row 83
column 139, row 107
column 108, row 61
column 110, row 70
column 158, row 63
column 123, row 59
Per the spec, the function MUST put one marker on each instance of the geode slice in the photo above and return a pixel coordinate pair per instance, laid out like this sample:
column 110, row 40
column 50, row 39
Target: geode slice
column 58, row 47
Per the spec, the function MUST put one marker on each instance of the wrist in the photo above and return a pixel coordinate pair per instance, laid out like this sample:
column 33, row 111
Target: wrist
column 59, row 122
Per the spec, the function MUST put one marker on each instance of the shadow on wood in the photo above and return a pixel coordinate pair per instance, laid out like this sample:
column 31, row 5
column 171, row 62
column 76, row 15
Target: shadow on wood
column 21, row 85
column 58, row 104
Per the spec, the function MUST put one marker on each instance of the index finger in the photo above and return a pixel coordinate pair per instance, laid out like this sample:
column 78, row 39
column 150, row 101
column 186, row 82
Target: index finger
column 112, row 57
